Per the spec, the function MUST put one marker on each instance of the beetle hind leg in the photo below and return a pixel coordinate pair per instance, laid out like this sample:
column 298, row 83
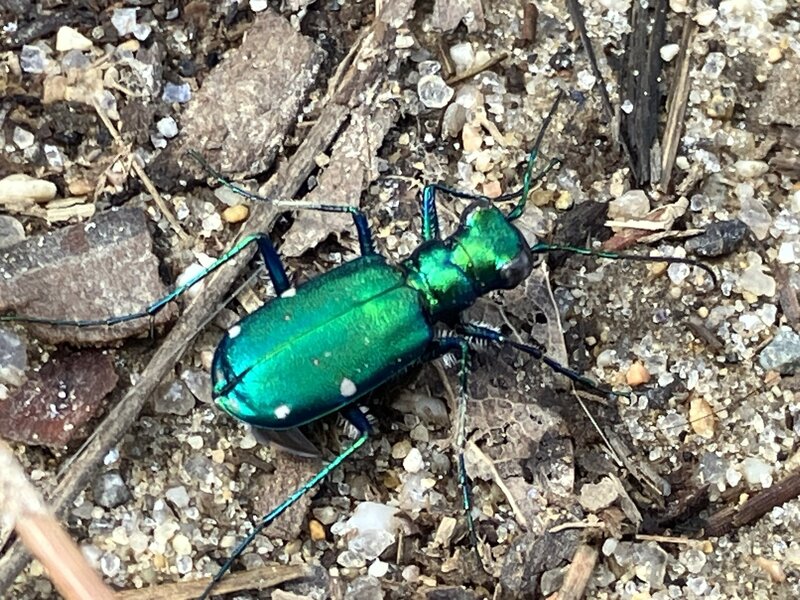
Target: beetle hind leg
column 360, row 421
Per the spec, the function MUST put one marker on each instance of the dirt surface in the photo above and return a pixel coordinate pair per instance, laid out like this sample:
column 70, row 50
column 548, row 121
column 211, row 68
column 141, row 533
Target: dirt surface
column 677, row 134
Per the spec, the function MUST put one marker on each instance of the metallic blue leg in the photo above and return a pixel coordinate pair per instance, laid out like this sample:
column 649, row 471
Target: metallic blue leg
column 476, row 331
column 430, row 221
column 359, row 218
column 359, row 420
column 461, row 345
column 268, row 253
column 528, row 178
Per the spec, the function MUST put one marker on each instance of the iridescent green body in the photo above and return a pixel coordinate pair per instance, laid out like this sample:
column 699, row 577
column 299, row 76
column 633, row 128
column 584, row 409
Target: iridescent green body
column 323, row 345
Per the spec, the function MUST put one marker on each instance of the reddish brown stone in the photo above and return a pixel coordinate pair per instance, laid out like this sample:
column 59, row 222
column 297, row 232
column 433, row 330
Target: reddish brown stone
column 55, row 405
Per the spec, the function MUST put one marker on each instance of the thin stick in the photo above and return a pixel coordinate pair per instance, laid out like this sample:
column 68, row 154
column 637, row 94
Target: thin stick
column 140, row 173
column 43, row 536
column 255, row 579
column 478, row 69
column 678, row 98
column 578, row 574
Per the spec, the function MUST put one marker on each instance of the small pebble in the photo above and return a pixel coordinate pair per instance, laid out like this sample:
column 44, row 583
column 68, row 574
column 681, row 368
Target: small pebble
column 110, row 491
column 413, row 462
column 669, row 51
column 701, row 417
column 748, row 169
column 564, row 200
column 195, row 442
column 679, row 6
column 68, row 38
column 11, row 231
column 637, row 374
column 178, row 496
column 167, row 127
column 774, row 55
column 21, row 187
column 471, row 138
column 463, row 56
column 316, row 530
column 782, row 354
column 401, row 449
column 632, row 204
column 597, row 496
column 32, row 59
column 181, row 545
column 378, row 569
column 180, row 93
column 492, row 189
column 326, row 515
column 693, row 559
column 235, row 214
column 351, row 560
column 757, row 472
column 23, row 138
column 704, row 18
column 411, row 573
column 404, row 42
column 773, row 568
column 124, row 20
column 434, row 92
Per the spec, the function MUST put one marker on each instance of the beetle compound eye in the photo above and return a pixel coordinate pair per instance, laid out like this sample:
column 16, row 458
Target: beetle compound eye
column 517, row 269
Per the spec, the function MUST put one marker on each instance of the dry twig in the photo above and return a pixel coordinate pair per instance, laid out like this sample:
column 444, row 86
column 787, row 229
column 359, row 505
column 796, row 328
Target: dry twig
column 43, row 536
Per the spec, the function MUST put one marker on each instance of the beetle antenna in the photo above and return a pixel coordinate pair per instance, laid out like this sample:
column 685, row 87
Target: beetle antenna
column 543, row 247
column 528, row 179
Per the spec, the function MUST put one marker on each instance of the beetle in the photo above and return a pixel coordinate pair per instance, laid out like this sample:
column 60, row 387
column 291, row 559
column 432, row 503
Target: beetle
column 319, row 348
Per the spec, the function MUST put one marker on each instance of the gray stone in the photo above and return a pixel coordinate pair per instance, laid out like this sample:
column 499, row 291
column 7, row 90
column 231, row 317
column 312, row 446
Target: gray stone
column 783, row 353
column 110, row 490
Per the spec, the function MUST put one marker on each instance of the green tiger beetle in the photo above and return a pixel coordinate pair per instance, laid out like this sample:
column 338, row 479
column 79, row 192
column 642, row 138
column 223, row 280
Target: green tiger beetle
column 352, row 329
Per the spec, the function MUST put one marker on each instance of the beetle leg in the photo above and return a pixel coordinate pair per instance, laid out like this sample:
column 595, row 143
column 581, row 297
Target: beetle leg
column 267, row 250
column 363, row 425
column 359, row 218
column 460, row 344
column 430, row 221
column 477, row 331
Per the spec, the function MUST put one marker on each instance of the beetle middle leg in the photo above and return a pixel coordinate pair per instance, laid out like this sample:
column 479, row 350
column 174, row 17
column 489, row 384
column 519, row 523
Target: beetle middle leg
column 363, row 230
column 268, row 252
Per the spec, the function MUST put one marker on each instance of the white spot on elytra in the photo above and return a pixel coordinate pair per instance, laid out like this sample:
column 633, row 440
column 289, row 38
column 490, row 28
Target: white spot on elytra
column 234, row 331
column 282, row 411
column 347, row 387
column 289, row 293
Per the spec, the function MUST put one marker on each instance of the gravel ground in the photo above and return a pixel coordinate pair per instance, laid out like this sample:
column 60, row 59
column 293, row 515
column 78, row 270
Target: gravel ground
column 678, row 134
